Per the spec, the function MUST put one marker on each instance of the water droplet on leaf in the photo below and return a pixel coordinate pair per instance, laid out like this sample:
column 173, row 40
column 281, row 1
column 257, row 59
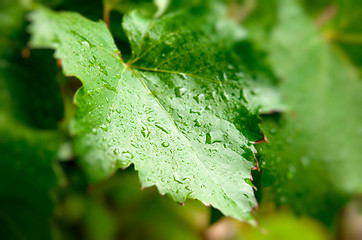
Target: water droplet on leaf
column 197, row 123
column 199, row 98
column 127, row 155
column 116, row 151
column 108, row 118
column 150, row 119
column 145, row 133
column 104, row 127
column 179, row 91
column 214, row 136
column 85, row 44
column 161, row 127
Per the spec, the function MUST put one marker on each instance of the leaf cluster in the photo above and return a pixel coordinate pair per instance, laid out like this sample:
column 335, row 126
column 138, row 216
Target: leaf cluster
column 250, row 107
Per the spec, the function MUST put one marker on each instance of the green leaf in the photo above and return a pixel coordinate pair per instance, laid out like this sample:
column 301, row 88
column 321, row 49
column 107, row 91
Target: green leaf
column 139, row 208
column 176, row 110
column 26, row 177
column 313, row 158
column 26, row 174
column 99, row 210
column 283, row 225
column 345, row 30
column 162, row 6
column 27, row 168
column 149, row 7
column 340, row 21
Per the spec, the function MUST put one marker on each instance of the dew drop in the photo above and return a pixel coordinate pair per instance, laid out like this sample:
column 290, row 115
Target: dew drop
column 148, row 110
column 128, row 108
column 161, row 127
column 199, row 98
column 108, row 118
column 179, row 91
column 104, row 127
column 180, row 179
column 165, row 144
column 116, row 151
column 107, row 84
column 94, row 131
column 128, row 155
column 145, row 133
column 183, row 75
column 85, row 44
column 133, row 143
column 225, row 76
column 214, row 136
column 150, row 119
column 198, row 112
column 197, row 123
column 225, row 96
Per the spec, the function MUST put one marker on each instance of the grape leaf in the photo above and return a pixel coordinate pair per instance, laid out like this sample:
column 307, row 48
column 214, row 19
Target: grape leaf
column 176, row 109
column 313, row 158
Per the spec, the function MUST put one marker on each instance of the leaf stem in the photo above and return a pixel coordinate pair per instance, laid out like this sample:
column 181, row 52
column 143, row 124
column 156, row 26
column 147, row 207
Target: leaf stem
column 106, row 14
column 328, row 14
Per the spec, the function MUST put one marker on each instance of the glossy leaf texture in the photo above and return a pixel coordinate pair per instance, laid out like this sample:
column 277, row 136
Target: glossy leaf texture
column 313, row 159
column 176, row 109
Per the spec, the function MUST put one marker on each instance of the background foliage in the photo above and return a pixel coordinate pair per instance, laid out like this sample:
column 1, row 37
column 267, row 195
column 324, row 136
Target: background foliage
column 304, row 62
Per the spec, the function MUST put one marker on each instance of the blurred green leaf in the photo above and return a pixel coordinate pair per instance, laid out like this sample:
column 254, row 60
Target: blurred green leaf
column 340, row 21
column 147, row 7
column 27, row 176
column 346, row 30
column 118, row 209
column 284, row 226
column 313, row 158
column 27, row 168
